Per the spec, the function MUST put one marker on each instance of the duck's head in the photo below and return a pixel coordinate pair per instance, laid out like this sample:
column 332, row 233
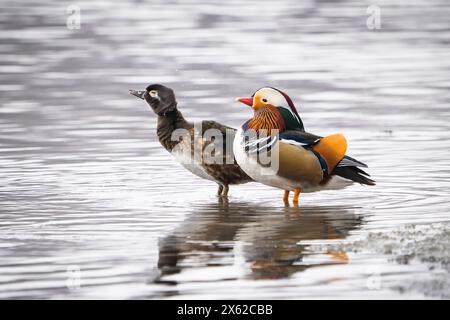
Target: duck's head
column 160, row 98
column 272, row 97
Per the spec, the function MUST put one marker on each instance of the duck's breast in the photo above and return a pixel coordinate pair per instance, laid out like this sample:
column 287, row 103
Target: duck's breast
column 183, row 153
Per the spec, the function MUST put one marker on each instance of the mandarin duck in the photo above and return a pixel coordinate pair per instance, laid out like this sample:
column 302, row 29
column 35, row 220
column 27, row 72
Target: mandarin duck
column 187, row 143
column 304, row 162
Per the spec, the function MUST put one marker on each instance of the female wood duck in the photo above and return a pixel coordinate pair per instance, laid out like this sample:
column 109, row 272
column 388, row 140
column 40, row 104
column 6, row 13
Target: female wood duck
column 186, row 140
column 304, row 162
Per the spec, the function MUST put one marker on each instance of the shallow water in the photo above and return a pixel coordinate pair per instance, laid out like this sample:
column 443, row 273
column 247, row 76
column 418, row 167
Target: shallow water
column 93, row 207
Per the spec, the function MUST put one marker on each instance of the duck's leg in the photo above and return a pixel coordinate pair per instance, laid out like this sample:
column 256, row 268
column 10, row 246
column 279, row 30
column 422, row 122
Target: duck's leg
column 219, row 191
column 286, row 197
column 296, row 194
column 225, row 190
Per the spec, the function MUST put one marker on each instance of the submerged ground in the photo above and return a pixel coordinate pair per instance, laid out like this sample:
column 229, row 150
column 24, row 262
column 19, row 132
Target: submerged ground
column 92, row 207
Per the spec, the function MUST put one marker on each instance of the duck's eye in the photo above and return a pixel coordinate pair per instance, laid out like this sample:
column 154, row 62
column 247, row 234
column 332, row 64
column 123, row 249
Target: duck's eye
column 264, row 100
column 153, row 93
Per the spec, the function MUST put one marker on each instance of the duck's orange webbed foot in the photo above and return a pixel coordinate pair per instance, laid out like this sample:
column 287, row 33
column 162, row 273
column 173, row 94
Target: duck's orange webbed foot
column 286, row 198
column 296, row 194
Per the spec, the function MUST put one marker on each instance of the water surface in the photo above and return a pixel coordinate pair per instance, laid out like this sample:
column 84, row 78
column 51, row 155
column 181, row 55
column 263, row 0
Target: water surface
column 86, row 186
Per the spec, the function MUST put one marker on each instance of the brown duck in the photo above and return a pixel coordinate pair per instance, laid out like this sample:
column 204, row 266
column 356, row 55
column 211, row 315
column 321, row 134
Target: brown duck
column 204, row 148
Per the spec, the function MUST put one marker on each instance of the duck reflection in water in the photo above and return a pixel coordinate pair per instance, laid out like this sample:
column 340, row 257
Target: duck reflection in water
column 263, row 244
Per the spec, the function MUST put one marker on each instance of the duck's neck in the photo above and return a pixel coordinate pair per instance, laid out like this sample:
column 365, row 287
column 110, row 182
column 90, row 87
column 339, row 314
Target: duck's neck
column 167, row 124
column 267, row 118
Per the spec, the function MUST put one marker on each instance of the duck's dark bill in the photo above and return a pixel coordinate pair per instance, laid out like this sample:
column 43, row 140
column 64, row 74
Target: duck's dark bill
column 137, row 93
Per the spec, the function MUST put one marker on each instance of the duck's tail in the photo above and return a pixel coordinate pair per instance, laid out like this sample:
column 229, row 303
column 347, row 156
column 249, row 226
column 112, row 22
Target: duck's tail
column 332, row 149
column 355, row 174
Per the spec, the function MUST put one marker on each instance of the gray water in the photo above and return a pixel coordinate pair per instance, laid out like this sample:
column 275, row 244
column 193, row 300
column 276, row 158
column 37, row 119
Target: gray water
column 91, row 206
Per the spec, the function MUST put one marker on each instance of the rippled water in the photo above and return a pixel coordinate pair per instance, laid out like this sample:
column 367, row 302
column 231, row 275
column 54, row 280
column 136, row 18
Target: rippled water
column 86, row 186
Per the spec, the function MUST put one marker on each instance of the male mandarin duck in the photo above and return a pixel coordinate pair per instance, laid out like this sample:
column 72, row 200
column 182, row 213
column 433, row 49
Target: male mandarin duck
column 305, row 162
column 163, row 103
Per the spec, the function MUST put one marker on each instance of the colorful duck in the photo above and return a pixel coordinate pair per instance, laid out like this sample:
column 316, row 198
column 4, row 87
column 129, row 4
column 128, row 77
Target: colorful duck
column 304, row 162
column 188, row 148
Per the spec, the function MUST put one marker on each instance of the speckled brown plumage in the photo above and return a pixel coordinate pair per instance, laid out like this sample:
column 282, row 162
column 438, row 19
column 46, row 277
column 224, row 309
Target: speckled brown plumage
column 163, row 103
column 225, row 174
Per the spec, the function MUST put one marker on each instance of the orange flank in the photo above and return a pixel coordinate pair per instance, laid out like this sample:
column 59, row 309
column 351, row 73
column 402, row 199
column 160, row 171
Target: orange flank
column 338, row 256
column 332, row 148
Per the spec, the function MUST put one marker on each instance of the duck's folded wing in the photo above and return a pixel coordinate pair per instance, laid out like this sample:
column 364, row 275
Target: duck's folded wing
column 347, row 168
column 306, row 139
column 260, row 145
column 220, row 147
column 298, row 137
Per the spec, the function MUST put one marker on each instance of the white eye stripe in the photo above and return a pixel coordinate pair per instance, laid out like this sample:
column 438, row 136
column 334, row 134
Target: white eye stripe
column 153, row 93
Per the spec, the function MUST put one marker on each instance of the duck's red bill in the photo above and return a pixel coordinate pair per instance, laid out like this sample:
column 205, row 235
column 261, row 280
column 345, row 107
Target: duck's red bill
column 247, row 101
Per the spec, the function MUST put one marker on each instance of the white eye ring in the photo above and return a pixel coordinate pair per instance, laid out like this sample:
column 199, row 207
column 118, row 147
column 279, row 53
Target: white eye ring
column 264, row 100
column 153, row 93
